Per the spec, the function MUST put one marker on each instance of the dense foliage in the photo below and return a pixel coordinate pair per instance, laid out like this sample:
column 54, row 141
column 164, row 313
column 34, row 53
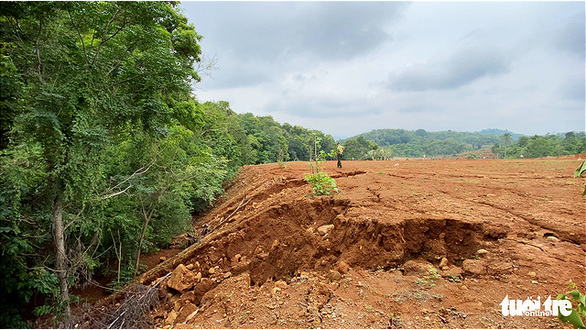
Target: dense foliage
column 358, row 148
column 93, row 149
column 384, row 143
column 105, row 154
column 271, row 142
column 571, row 143
column 420, row 143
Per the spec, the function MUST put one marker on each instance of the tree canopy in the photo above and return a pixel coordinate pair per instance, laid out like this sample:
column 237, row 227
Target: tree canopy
column 571, row 143
column 420, row 143
column 105, row 153
column 92, row 142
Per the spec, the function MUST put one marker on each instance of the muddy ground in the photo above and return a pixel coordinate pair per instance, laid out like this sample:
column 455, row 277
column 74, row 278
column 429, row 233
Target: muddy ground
column 405, row 244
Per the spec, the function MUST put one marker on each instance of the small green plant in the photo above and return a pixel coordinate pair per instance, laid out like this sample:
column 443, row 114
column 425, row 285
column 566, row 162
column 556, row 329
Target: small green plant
column 322, row 183
column 420, row 282
column 429, row 279
column 399, row 298
column 578, row 313
column 281, row 159
column 284, row 167
column 433, row 274
column 420, row 295
column 319, row 180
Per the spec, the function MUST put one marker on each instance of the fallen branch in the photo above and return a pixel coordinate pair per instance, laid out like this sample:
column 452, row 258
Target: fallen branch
column 133, row 312
column 231, row 214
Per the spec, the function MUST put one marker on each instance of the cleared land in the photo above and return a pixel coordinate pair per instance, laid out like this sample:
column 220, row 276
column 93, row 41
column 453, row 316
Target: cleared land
column 490, row 228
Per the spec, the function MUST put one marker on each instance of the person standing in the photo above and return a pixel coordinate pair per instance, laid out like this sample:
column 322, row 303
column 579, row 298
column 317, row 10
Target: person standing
column 339, row 151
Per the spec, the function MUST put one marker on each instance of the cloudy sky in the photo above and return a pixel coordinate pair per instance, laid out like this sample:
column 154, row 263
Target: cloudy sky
column 346, row 68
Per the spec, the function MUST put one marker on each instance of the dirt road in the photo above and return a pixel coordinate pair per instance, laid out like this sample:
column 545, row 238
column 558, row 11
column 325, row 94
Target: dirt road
column 412, row 244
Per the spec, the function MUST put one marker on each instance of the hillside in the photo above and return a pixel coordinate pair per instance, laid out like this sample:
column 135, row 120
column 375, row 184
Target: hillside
column 404, row 143
column 271, row 255
column 386, row 143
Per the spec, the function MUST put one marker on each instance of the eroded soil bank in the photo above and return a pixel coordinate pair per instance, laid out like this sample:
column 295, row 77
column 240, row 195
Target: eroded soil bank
column 412, row 244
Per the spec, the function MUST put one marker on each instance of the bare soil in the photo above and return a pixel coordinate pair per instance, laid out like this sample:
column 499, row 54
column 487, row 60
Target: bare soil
column 489, row 228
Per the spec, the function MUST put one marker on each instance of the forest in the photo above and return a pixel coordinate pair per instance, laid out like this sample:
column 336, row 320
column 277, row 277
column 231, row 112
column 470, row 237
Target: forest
column 387, row 143
column 550, row 145
column 106, row 154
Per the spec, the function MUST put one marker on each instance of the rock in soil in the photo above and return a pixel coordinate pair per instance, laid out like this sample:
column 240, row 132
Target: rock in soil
column 325, row 229
column 417, row 267
column 181, row 279
column 474, row 267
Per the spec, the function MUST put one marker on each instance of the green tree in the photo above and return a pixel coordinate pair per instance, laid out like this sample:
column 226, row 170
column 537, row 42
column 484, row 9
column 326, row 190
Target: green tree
column 418, row 143
column 89, row 72
column 507, row 141
column 358, row 148
column 496, row 149
column 266, row 137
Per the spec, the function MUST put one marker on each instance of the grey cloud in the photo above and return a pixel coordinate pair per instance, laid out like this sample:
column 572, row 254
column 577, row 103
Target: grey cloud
column 276, row 34
column 459, row 70
column 238, row 76
column 323, row 107
column 571, row 38
column 347, row 29
column 475, row 36
column 269, row 30
column 574, row 90
column 418, row 108
column 508, row 65
column 300, row 77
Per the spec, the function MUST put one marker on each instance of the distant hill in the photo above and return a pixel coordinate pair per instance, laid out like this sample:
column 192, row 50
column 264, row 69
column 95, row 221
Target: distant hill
column 419, row 143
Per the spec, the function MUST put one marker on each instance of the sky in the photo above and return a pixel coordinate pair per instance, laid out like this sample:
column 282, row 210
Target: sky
column 346, row 68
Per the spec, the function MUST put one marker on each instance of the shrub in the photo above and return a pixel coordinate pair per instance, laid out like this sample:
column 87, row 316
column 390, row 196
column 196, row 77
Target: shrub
column 319, row 180
column 322, row 183
column 575, row 318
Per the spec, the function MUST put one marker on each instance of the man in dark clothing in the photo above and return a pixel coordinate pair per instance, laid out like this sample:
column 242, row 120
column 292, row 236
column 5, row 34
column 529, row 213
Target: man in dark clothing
column 340, row 150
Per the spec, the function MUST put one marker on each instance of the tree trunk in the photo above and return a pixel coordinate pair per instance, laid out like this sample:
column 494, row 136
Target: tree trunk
column 147, row 219
column 119, row 261
column 61, row 255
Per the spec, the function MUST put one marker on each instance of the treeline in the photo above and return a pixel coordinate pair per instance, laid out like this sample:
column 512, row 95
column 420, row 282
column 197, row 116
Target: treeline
column 387, row 143
column 418, row 143
column 270, row 142
column 550, row 145
column 105, row 154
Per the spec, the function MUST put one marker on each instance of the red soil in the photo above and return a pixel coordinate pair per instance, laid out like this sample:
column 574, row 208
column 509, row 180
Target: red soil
column 511, row 227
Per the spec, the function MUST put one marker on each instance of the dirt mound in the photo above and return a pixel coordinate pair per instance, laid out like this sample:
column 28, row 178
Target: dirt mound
column 414, row 244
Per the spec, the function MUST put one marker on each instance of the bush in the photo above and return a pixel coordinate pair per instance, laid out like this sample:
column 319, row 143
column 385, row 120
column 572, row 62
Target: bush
column 578, row 313
column 322, row 183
